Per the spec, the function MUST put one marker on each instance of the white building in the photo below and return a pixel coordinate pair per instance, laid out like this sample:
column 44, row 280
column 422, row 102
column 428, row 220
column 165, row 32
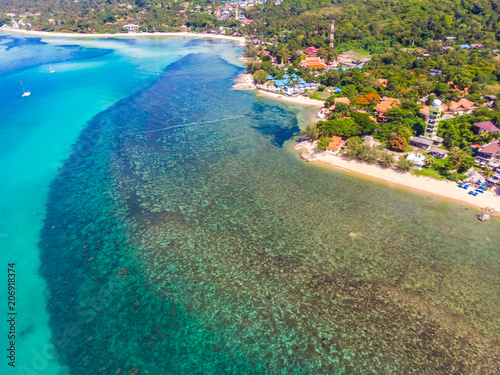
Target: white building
column 131, row 27
column 417, row 159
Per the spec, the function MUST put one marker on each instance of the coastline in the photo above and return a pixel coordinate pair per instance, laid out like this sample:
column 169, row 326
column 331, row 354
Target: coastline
column 422, row 184
column 300, row 100
column 245, row 82
column 238, row 39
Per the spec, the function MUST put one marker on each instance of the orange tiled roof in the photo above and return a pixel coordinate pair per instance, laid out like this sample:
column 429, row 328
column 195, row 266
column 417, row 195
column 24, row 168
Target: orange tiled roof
column 462, row 105
column 342, row 100
column 456, row 88
column 335, row 143
column 386, row 104
column 424, row 110
column 313, row 62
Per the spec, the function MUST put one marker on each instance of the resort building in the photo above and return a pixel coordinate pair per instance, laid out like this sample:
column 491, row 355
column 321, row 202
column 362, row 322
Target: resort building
column 488, row 154
column 438, row 153
column 311, row 51
column 334, row 145
column 418, row 160
column 313, row 63
column 462, row 107
column 432, row 121
column 131, row 27
column 346, row 101
column 421, row 142
column 484, row 126
column 384, row 106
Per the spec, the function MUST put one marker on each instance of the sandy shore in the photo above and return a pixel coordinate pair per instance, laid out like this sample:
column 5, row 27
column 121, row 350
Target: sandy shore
column 238, row 39
column 393, row 176
column 300, row 100
column 244, row 82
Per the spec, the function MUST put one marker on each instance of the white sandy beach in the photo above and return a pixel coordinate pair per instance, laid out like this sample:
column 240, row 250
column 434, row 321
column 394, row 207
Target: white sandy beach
column 245, row 82
column 428, row 185
column 300, row 100
column 238, row 39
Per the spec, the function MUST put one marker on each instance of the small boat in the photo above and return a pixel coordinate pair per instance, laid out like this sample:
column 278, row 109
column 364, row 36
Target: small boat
column 51, row 70
column 25, row 93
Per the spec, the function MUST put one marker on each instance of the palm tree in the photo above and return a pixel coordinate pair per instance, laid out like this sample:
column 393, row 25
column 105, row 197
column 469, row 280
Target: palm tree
column 429, row 160
column 457, row 158
column 488, row 172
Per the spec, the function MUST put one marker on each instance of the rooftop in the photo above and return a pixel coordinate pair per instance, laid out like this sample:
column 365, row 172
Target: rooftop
column 491, row 148
column 487, row 125
column 422, row 141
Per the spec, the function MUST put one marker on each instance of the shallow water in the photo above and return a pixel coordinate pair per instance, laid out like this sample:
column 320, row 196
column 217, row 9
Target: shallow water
column 184, row 236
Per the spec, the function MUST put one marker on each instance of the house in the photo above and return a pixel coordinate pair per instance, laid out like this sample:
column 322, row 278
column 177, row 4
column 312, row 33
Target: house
column 424, row 112
column 131, row 27
column 334, row 145
column 313, row 63
column 340, row 100
column 457, row 88
column 383, row 82
column 421, row 142
column 478, row 45
column 484, row 126
column 438, row 153
column 418, row 160
column 311, row 51
column 384, row 106
column 464, row 46
column 434, row 72
column 462, row 107
column 488, row 151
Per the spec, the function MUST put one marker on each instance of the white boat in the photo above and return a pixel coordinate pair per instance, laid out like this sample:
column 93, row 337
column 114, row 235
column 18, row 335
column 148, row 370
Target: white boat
column 51, row 70
column 25, row 93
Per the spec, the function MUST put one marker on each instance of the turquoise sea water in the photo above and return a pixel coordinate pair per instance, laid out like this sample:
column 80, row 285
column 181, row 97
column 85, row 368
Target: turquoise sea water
column 161, row 224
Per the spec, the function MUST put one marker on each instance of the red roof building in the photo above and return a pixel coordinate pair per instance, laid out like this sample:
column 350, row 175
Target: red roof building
column 335, row 144
column 485, row 126
column 311, row 51
column 313, row 62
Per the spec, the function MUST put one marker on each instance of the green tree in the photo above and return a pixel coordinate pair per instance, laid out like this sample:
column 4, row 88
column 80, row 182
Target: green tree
column 429, row 160
column 386, row 159
column 364, row 121
column 353, row 146
column 459, row 160
column 260, row 76
column 311, row 131
column 397, row 143
column 404, row 164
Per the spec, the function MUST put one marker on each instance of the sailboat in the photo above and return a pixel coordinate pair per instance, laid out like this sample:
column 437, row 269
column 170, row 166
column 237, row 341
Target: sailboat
column 51, row 70
column 25, row 93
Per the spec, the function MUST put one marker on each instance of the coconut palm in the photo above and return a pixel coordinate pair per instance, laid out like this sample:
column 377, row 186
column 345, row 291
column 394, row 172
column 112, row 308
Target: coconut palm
column 457, row 158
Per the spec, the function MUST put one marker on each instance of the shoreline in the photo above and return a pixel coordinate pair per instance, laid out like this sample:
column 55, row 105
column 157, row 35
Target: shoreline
column 245, row 82
column 429, row 186
column 300, row 100
column 239, row 39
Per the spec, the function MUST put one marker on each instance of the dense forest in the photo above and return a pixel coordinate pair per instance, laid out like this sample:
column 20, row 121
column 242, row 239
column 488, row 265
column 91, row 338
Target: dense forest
column 368, row 24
